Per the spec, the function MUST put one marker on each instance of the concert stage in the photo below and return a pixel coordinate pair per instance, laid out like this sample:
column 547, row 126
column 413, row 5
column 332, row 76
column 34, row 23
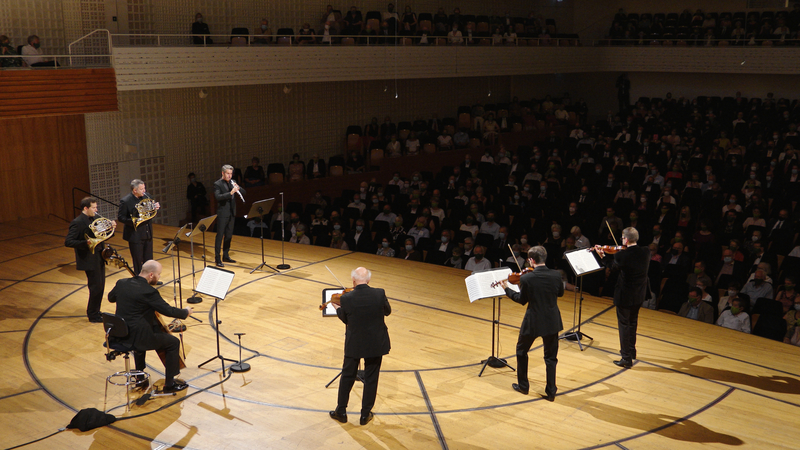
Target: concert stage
column 696, row 385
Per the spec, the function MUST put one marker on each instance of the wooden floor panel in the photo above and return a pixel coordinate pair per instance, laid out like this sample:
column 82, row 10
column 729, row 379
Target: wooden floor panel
column 695, row 385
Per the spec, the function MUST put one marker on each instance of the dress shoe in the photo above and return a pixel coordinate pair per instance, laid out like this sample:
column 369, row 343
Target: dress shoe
column 159, row 283
column 177, row 386
column 366, row 419
column 142, row 383
column 624, row 363
column 549, row 398
column 519, row 389
column 219, row 264
column 229, row 260
column 338, row 417
column 96, row 319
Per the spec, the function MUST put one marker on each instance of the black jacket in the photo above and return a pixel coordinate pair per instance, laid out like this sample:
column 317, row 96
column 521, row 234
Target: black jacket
column 540, row 290
column 226, row 202
column 84, row 258
column 363, row 312
column 127, row 211
column 137, row 303
column 632, row 264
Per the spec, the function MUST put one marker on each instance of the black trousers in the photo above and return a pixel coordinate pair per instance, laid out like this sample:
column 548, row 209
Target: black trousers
column 96, row 281
column 171, row 346
column 372, row 369
column 224, row 235
column 627, row 321
column 524, row 344
column 140, row 253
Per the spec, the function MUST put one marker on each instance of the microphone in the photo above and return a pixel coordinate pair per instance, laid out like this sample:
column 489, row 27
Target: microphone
column 238, row 192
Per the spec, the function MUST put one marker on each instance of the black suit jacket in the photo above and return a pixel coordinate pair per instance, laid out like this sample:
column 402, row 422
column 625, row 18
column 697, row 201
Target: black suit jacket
column 84, row 258
column 226, row 202
column 363, row 312
column 540, row 290
column 127, row 211
column 137, row 303
column 632, row 264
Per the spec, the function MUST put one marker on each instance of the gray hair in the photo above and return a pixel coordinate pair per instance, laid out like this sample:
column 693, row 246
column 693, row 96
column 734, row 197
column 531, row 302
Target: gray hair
column 361, row 275
column 538, row 254
column 136, row 183
column 631, row 234
column 226, row 168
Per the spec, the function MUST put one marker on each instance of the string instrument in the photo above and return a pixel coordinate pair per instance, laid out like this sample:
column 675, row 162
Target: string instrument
column 336, row 299
column 610, row 249
column 110, row 255
column 513, row 278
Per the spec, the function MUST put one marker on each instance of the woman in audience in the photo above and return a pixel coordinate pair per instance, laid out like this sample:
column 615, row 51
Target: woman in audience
column 385, row 249
column 337, row 240
column 393, row 148
column 297, row 169
column 510, row 36
column 412, row 144
column 306, row 35
column 469, row 225
column 409, row 21
column 497, row 36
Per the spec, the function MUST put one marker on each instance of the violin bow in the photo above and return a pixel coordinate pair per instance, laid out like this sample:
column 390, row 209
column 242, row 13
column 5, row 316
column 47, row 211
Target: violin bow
column 515, row 258
column 612, row 234
column 334, row 276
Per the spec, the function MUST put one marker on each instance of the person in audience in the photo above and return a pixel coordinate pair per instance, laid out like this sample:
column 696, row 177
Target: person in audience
column 263, row 34
column 328, row 19
column 297, row 169
column 199, row 29
column 315, row 168
column 409, row 251
column 337, row 240
column 355, row 163
column 419, row 230
column 368, row 36
column 758, row 287
column 788, row 295
column 353, row 22
column 306, row 35
column 254, row 174
column 478, row 262
column 393, row 148
column 196, row 194
column 299, row 237
column 385, row 249
column 32, row 54
column 454, row 36
column 409, row 21
column 735, row 318
column 696, row 309
column 456, row 261
column 510, row 36
column 7, row 50
column 699, row 274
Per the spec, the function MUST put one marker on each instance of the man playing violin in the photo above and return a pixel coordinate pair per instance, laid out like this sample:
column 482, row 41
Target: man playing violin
column 137, row 302
column 363, row 311
column 631, row 290
column 539, row 289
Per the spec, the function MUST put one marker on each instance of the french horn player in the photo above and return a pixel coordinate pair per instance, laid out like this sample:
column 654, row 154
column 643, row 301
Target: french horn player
column 86, row 233
column 136, row 211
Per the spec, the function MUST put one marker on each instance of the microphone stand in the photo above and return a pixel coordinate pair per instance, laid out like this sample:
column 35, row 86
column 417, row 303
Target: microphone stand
column 283, row 265
column 176, row 284
column 194, row 299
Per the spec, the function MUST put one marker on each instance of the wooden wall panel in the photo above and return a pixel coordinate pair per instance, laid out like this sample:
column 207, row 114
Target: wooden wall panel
column 41, row 160
column 31, row 93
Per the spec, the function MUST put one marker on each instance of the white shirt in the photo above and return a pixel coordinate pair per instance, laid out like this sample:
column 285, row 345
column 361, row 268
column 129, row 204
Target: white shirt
column 739, row 322
column 29, row 50
column 582, row 242
column 474, row 266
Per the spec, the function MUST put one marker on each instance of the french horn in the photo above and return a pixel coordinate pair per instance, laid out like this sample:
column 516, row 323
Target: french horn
column 102, row 228
column 147, row 210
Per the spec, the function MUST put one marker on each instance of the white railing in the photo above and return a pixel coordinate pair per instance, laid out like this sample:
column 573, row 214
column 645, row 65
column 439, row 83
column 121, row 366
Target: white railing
column 95, row 33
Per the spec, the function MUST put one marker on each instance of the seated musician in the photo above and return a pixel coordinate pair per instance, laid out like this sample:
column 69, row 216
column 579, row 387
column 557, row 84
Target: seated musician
column 137, row 302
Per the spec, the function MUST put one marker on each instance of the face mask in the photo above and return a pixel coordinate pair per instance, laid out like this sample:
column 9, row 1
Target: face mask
column 732, row 201
column 516, row 196
column 794, row 171
column 337, row 227
column 598, row 171
column 664, row 210
column 656, row 232
column 758, row 281
column 634, row 218
column 384, row 244
column 191, row 179
column 727, row 259
column 409, row 247
column 797, row 308
column 754, row 238
column 676, row 252
column 697, row 271
column 556, row 234
column 735, row 310
column 572, row 209
column 299, row 234
column 526, row 188
column 789, row 287
column 396, row 178
column 295, row 220
column 419, row 225
column 199, row 20
column 693, row 300
column 415, row 178
column 523, row 241
column 397, row 224
column 456, row 257
column 359, row 227
column 445, row 239
column 478, row 256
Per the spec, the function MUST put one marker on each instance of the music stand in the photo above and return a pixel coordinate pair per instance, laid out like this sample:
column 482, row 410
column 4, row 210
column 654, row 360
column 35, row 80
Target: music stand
column 215, row 282
column 176, row 284
column 479, row 286
column 283, row 265
column 582, row 262
column 260, row 208
column 201, row 227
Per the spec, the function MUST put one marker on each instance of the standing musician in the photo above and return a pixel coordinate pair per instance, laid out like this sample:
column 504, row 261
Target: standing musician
column 540, row 290
column 140, row 237
column 90, row 262
column 363, row 311
column 137, row 302
column 225, row 191
column 630, row 292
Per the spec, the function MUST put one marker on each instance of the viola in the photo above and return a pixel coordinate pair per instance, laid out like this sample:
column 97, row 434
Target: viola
column 513, row 278
column 336, row 299
column 610, row 249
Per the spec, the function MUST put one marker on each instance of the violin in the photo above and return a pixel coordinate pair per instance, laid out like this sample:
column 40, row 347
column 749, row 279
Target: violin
column 336, row 299
column 610, row 249
column 513, row 278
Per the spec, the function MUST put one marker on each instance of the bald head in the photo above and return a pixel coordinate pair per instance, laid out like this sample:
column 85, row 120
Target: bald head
column 151, row 271
column 360, row 275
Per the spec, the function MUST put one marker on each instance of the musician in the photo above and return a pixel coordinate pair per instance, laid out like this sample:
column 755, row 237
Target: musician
column 225, row 191
column 363, row 311
column 140, row 238
column 137, row 302
column 630, row 291
column 540, row 290
column 85, row 259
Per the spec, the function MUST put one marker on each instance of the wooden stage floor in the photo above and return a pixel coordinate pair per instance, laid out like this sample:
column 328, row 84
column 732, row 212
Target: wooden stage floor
column 696, row 386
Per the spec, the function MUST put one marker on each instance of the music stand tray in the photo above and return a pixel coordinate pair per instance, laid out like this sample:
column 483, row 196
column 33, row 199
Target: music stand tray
column 582, row 262
column 201, row 227
column 258, row 209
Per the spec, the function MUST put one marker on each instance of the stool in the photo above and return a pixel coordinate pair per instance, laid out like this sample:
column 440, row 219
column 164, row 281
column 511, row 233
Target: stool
column 116, row 327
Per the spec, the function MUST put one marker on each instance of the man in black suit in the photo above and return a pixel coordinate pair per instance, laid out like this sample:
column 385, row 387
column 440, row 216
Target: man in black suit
column 630, row 291
column 137, row 302
column 540, row 291
column 139, row 237
column 90, row 262
column 225, row 191
column 363, row 311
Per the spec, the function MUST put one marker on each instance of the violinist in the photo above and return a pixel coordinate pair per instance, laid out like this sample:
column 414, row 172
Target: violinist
column 631, row 290
column 539, row 289
column 363, row 311
column 137, row 302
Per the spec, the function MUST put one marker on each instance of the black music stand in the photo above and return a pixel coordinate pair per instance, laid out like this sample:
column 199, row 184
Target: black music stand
column 176, row 284
column 494, row 360
column 260, row 208
column 582, row 262
column 201, row 227
column 482, row 285
column 283, row 265
column 215, row 282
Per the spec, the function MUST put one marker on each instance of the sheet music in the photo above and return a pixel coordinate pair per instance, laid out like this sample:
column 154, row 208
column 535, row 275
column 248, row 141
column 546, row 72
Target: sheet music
column 215, row 282
column 582, row 261
column 329, row 310
column 479, row 285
